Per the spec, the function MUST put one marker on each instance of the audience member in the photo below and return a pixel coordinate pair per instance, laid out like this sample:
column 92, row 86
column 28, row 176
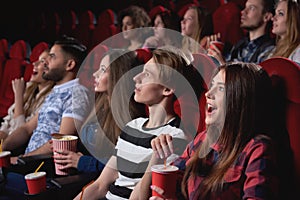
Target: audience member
column 233, row 158
column 132, row 20
column 156, row 87
column 64, row 109
column 28, row 99
column 196, row 25
column 255, row 47
column 100, row 131
column 286, row 26
column 166, row 26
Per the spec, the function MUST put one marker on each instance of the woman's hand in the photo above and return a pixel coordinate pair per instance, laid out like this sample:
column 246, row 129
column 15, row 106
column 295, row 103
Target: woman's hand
column 216, row 53
column 67, row 158
column 162, row 146
column 210, row 38
column 18, row 86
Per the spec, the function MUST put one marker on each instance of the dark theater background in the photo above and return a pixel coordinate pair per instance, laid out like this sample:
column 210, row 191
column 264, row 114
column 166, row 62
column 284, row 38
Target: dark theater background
column 26, row 19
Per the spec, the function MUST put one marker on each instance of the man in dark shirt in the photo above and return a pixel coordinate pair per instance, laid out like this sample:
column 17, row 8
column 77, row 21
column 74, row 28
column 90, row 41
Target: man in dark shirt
column 256, row 20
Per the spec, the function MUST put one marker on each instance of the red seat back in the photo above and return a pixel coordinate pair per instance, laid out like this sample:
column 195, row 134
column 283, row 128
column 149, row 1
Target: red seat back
column 4, row 49
column 226, row 20
column 285, row 76
column 105, row 27
column 69, row 22
column 84, row 30
column 14, row 68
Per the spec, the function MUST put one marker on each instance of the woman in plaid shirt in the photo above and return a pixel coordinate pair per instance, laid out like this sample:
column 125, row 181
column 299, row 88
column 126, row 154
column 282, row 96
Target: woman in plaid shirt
column 233, row 158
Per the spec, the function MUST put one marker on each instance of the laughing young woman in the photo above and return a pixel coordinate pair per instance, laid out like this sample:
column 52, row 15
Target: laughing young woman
column 233, row 158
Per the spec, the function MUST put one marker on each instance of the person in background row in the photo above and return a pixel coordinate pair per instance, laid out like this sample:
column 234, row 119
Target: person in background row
column 256, row 46
column 100, row 131
column 286, row 27
column 195, row 26
column 28, row 99
column 131, row 19
column 166, row 26
column 234, row 158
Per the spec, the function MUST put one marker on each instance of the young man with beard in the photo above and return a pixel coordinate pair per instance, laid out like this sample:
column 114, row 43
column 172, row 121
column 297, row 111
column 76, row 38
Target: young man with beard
column 64, row 109
column 256, row 20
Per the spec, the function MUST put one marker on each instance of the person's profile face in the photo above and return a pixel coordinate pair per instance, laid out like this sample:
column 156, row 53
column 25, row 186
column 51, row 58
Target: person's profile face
column 158, row 27
column 101, row 75
column 57, row 62
column 127, row 25
column 189, row 23
column 252, row 16
column 280, row 19
column 215, row 98
column 148, row 87
column 38, row 68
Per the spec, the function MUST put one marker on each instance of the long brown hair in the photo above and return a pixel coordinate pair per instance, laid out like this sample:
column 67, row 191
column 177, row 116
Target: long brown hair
column 121, row 62
column 243, row 86
column 180, row 61
column 33, row 97
column 204, row 27
column 32, row 101
column 285, row 46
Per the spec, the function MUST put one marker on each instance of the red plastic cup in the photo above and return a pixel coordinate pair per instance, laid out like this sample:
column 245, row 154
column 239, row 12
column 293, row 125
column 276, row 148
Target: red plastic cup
column 60, row 143
column 36, row 182
column 165, row 178
column 5, row 158
column 218, row 44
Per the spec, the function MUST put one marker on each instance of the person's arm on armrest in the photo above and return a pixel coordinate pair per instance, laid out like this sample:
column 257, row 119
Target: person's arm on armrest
column 21, row 135
column 100, row 187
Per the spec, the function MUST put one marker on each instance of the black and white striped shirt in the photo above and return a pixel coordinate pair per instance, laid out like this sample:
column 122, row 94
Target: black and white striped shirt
column 133, row 152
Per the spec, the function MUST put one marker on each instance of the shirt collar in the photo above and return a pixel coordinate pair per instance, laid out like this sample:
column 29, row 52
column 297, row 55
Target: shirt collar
column 260, row 39
column 67, row 84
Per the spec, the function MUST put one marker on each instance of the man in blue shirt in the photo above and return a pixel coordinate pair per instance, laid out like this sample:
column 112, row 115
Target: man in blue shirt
column 64, row 109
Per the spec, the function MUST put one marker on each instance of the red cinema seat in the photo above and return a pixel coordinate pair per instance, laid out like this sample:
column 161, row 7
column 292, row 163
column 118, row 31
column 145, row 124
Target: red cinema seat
column 285, row 76
column 4, row 49
column 105, row 27
column 69, row 22
column 226, row 20
column 84, row 30
column 14, row 68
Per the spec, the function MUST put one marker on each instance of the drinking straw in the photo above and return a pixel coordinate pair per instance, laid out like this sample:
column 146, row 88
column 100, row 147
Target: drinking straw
column 1, row 145
column 165, row 163
column 84, row 187
column 37, row 169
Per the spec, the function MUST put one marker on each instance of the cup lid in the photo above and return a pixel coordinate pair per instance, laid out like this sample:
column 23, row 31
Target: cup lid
column 163, row 169
column 34, row 175
column 4, row 153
